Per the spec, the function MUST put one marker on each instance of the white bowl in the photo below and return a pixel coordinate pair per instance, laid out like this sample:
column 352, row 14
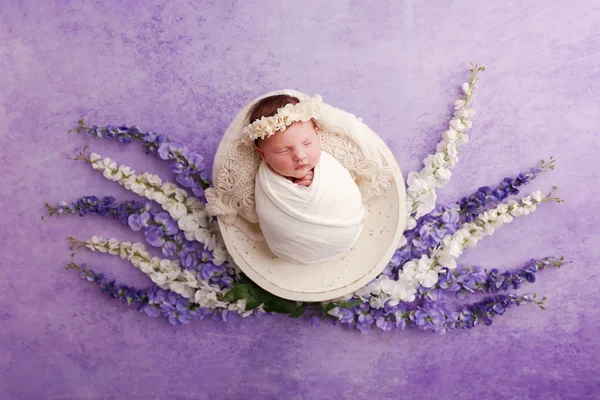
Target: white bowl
column 380, row 236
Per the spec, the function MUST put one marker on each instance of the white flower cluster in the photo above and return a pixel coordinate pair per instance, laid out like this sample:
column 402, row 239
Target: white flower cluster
column 167, row 274
column 287, row 115
column 425, row 271
column 188, row 211
column 421, row 186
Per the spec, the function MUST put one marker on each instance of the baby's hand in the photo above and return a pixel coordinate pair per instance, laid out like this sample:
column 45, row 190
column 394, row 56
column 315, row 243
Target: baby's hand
column 306, row 180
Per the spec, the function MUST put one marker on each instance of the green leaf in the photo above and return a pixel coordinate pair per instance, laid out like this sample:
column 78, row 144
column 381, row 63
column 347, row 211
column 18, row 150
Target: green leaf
column 281, row 306
column 299, row 311
column 261, row 294
column 231, row 296
column 238, row 292
column 328, row 307
column 350, row 304
column 242, row 288
column 252, row 303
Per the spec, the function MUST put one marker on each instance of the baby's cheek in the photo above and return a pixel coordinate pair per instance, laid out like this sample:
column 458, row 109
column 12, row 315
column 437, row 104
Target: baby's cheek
column 316, row 155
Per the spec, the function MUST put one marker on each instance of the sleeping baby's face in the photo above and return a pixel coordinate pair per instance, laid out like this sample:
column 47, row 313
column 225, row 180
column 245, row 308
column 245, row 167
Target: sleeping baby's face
column 293, row 152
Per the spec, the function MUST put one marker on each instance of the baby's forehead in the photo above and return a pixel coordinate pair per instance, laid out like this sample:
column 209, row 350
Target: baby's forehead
column 293, row 134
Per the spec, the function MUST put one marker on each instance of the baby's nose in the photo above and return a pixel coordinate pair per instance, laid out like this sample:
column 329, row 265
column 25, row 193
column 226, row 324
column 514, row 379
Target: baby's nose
column 300, row 155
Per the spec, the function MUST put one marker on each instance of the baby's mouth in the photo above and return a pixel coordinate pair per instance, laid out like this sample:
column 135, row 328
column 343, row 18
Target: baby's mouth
column 301, row 166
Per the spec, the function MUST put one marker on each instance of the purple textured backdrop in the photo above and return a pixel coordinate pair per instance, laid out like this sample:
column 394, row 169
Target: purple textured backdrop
column 184, row 68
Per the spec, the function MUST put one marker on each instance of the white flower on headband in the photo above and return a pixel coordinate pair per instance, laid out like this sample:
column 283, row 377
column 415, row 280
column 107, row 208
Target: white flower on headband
column 265, row 127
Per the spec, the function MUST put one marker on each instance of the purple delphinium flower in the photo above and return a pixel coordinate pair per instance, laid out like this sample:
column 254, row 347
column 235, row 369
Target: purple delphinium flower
column 198, row 191
column 399, row 314
column 484, row 310
column 447, row 219
column 185, row 179
column 364, row 322
column 223, row 315
column 169, row 249
column 106, row 207
column 152, row 310
column 128, row 294
column 205, row 175
column 189, row 260
column 209, row 270
column 200, row 312
column 167, row 224
column 486, row 197
column 428, row 233
column 223, row 281
column 154, row 236
column 164, row 150
column 160, row 230
column 463, row 280
column 134, row 222
column 158, row 145
column 149, row 137
column 153, row 302
column 179, row 148
column 471, row 279
column 156, row 296
column 430, row 294
column 175, row 308
column 196, row 161
column 62, row 207
column 384, row 324
column 139, row 221
column 314, row 320
column 429, row 316
column 343, row 315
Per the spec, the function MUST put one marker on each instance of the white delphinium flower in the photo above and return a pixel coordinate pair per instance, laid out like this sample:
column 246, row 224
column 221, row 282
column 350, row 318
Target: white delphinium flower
column 146, row 184
column 194, row 204
column 177, row 210
column 425, row 271
column 402, row 242
column 152, row 180
column 111, row 172
column 166, row 274
column 240, row 307
column 411, row 222
column 465, row 87
column 113, row 247
column 421, row 196
column 421, row 271
column 136, row 253
column 207, row 296
column 457, row 124
column 220, row 254
column 373, row 287
column 173, row 191
column 458, row 104
column 97, row 243
column 189, row 212
column 378, row 302
column 190, row 222
column 446, row 260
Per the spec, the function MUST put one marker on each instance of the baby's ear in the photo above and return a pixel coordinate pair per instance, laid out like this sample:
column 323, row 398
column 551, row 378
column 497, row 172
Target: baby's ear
column 260, row 152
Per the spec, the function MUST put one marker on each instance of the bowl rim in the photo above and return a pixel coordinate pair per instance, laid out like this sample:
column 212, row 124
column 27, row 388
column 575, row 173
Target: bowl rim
column 230, row 232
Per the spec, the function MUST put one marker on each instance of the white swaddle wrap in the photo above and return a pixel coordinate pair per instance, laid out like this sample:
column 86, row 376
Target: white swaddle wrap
column 307, row 225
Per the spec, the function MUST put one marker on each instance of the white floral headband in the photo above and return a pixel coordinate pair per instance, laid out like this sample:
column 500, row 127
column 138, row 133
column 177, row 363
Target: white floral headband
column 265, row 127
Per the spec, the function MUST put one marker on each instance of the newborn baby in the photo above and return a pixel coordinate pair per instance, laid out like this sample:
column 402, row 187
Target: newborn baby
column 309, row 208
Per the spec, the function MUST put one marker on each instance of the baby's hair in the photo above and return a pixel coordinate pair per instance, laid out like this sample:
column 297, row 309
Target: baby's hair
column 268, row 106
